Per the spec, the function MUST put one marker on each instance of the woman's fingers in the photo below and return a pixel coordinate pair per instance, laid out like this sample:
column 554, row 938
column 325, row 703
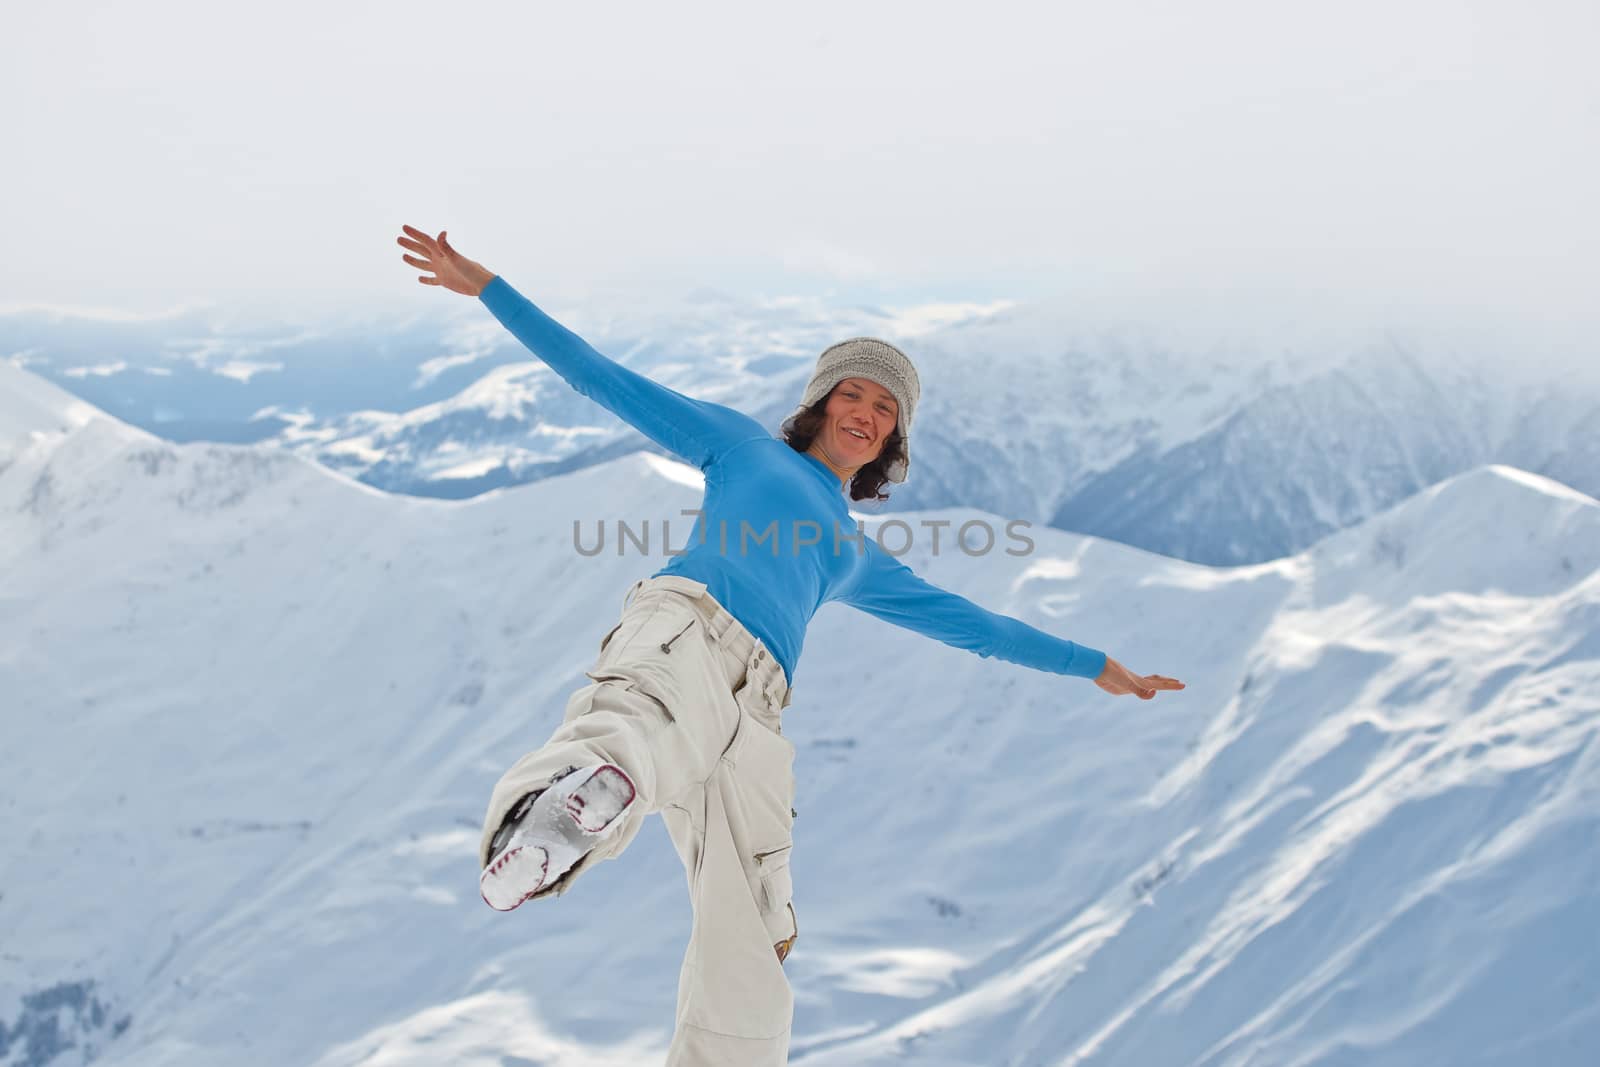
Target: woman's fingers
column 1119, row 681
column 422, row 264
column 422, row 244
column 454, row 271
column 432, row 256
column 1146, row 687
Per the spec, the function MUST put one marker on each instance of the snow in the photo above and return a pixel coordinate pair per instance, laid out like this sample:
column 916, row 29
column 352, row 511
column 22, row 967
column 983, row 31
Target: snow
column 31, row 407
column 254, row 710
column 103, row 370
column 242, row 370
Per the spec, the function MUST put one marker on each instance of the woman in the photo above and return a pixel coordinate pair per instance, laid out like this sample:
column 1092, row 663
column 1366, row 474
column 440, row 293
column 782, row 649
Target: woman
column 682, row 713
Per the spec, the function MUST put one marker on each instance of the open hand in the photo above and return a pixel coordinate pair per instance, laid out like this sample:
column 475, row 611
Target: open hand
column 1119, row 681
column 454, row 271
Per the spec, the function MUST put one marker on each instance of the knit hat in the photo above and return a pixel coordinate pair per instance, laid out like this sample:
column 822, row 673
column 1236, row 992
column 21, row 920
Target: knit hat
column 878, row 361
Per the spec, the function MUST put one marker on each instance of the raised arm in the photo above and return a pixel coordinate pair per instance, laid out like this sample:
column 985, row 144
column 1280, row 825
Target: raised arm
column 895, row 593
column 698, row 431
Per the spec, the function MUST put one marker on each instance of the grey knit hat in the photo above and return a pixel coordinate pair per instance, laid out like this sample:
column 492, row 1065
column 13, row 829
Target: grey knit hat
column 878, row 361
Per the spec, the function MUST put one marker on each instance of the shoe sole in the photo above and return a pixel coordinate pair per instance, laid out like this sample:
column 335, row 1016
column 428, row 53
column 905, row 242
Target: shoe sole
column 588, row 809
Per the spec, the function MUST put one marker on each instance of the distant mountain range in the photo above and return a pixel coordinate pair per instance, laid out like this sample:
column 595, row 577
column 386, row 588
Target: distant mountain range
column 1205, row 453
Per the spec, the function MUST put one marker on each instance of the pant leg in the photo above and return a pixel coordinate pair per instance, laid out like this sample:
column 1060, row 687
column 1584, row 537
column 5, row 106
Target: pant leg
column 670, row 706
column 735, row 1005
column 655, row 714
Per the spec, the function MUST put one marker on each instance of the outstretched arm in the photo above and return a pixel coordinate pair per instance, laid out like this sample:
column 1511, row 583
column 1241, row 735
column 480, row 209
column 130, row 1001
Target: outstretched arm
column 698, row 431
column 895, row 593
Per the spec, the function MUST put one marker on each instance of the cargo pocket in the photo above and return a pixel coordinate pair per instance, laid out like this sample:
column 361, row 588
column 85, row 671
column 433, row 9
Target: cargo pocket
column 763, row 764
column 637, row 652
column 776, row 883
column 777, row 898
column 646, row 685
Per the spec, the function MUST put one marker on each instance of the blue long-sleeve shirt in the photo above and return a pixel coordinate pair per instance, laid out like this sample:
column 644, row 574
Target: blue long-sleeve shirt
column 774, row 540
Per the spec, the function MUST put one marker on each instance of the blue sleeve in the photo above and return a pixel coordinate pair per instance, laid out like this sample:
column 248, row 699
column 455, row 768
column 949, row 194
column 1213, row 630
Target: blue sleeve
column 895, row 593
column 697, row 430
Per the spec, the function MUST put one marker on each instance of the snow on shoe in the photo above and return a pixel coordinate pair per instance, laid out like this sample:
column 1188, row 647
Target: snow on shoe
column 562, row 824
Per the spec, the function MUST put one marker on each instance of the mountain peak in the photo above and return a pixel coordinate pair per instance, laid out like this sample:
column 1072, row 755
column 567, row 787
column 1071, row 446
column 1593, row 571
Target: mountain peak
column 1491, row 529
column 30, row 406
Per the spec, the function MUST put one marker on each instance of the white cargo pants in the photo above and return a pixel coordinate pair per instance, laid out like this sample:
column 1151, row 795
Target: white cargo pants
column 687, row 702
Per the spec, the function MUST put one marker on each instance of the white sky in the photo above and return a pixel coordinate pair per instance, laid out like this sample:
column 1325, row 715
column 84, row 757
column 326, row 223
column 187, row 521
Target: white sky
column 1408, row 159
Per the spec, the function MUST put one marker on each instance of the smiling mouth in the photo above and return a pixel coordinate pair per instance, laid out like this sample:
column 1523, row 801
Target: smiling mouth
column 849, row 432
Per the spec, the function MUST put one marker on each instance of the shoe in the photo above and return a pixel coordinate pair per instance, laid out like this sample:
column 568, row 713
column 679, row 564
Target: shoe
column 551, row 830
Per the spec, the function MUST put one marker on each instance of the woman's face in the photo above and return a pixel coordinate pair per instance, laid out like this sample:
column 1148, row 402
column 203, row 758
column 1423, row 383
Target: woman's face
column 860, row 416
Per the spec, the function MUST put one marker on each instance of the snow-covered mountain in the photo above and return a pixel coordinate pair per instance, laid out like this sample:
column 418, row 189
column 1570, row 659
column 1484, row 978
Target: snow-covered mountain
column 253, row 709
column 32, row 409
column 1207, row 452
column 520, row 422
column 1216, row 447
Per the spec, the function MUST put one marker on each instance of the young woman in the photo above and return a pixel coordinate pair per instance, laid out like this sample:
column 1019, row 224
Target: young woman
column 682, row 713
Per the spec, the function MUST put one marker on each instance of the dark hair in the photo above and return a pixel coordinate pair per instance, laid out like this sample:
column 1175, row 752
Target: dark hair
column 801, row 428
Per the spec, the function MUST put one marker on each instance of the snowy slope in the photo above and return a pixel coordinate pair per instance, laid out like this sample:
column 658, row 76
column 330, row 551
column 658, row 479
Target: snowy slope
column 253, row 710
column 32, row 408
column 1374, row 844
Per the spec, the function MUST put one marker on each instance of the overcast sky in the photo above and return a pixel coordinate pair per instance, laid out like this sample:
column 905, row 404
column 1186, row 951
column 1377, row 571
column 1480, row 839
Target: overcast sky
column 1397, row 160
